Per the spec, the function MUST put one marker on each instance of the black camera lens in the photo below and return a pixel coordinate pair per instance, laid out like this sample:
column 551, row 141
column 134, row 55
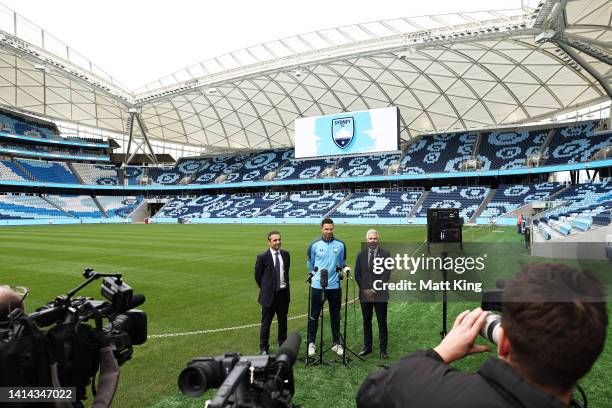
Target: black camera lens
column 199, row 376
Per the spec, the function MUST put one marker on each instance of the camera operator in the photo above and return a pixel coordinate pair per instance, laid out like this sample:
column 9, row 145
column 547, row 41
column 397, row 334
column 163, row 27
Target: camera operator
column 9, row 301
column 551, row 334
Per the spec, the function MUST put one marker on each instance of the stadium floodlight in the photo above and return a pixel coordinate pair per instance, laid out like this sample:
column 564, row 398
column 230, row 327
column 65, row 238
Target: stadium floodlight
column 211, row 91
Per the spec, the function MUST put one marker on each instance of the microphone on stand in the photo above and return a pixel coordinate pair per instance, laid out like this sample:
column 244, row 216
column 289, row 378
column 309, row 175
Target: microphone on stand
column 311, row 274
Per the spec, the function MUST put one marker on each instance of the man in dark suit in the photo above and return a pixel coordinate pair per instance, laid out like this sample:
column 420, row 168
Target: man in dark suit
column 371, row 299
column 272, row 277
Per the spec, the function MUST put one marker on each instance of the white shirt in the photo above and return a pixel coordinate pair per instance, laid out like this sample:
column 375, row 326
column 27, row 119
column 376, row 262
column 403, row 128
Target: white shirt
column 281, row 279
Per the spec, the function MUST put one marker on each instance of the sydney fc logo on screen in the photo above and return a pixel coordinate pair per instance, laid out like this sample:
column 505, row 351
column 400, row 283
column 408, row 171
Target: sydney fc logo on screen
column 343, row 131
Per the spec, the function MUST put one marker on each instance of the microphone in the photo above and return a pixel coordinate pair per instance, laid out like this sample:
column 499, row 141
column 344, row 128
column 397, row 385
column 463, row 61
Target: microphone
column 343, row 271
column 324, row 279
column 288, row 351
column 311, row 274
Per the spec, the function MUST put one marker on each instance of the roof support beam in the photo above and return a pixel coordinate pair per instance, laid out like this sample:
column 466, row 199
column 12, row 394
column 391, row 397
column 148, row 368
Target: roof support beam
column 587, row 67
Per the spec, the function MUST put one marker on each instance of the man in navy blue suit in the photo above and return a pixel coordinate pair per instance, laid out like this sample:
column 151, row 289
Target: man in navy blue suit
column 272, row 277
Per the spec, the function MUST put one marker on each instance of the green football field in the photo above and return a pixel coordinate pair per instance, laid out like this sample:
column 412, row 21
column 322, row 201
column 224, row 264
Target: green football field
column 198, row 280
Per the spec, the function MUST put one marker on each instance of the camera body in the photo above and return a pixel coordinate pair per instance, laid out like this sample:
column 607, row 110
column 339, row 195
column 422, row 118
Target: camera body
column 60, row 332
column 244, row 381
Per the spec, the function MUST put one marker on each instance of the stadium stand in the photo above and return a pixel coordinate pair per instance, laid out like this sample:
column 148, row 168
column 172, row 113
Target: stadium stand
column 119, row 206
column 438, row 153
column 378, row 203
column 466, row 199
column 47, row 171
column 361, row 166
column 575, row 144
column 258, row 165
column 213, row 167
column 585, row 201
column 306, row 204
column 219, row 206
column 508, row 198
column 18, row 125
column 9, row 171
column 18, row 206
column 304, row 169
column 96, row 173
column 76, row 206
column 507, row 149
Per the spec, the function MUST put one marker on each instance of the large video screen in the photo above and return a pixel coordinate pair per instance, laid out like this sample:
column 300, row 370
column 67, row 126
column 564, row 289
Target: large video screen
column 371, row 131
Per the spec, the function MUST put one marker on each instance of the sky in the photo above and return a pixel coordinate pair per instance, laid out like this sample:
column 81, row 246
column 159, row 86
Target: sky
column 138, row 41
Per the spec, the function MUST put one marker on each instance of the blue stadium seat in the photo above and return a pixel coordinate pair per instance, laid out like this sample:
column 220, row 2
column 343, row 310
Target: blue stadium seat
column 360, row 166
column 506, row 149
column 46, row 171
column 439, row 153
column 306, row 204
column 18, row 207
column 576, row 144
column 219, row 206
column 508, row 198
column 378, row 203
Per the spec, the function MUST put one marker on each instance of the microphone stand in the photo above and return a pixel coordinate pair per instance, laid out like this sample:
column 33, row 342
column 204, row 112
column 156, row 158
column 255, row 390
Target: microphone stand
column 307, row 359
column 321, row 352
column 345, row 359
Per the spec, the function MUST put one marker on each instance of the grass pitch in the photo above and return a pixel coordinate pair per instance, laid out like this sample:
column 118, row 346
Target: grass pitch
column 200, row 277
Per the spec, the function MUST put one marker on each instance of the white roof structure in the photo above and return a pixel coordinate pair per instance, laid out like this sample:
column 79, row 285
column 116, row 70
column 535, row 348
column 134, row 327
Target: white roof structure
column 445, row 73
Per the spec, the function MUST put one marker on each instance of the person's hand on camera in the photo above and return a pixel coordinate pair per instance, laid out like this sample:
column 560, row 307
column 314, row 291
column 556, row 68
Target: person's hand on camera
column 459, row 342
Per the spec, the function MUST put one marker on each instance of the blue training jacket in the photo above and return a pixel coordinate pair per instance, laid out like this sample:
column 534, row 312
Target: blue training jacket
column 326, row 255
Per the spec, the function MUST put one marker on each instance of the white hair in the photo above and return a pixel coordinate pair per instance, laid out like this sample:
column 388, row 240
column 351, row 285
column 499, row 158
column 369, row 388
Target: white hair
column 372, row 231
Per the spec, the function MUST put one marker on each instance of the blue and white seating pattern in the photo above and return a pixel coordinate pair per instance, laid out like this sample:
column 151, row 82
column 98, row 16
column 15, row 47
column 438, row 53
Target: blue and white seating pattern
column 575, row 144
column 306, row 204
column 119, row 206
column 15, row 207
column 303, row 169
column 8, row 171
column 211, row 168
column 508, row 198
column 510, row 149
column 47, row 171
column 76, row 206
column 132, row 174
column 378, row 203
column 219, row 206
column 163, row 175
column 585, row 200
column 362, row 166
column 258, row 165
column 99, row 174
column 439, row 153
column 466, row 199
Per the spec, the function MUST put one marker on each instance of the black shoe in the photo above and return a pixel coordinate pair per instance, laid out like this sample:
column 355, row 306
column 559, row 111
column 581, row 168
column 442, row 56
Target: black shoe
column 383, row 355
column 264, row 352
column 364, row 352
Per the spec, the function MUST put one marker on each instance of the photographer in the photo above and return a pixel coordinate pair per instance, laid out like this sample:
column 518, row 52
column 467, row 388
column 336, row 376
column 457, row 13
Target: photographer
column 551, row 334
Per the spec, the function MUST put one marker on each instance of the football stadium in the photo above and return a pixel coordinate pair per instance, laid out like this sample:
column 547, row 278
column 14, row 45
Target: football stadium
column 479, row 136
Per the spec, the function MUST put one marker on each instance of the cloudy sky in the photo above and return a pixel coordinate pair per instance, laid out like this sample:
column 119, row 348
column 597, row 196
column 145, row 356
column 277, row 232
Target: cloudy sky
column 138, row 41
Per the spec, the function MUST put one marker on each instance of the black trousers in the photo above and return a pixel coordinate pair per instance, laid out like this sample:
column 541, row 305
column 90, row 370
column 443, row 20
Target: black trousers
column 334, row 296
column 381, row 317
column 280, row 307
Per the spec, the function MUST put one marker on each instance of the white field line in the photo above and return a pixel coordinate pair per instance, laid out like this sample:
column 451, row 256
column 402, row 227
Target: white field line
column 244, row 326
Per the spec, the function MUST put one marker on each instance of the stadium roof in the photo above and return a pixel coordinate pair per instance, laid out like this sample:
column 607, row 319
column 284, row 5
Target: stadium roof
column 445, row 73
